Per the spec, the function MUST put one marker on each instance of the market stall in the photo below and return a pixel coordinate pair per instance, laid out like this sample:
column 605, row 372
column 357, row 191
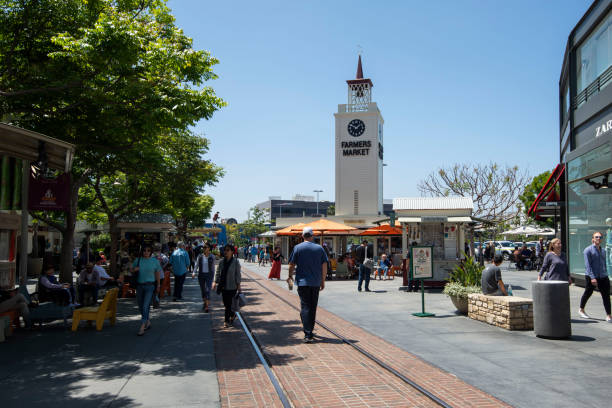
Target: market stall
column 439, row 222
column 21, row 151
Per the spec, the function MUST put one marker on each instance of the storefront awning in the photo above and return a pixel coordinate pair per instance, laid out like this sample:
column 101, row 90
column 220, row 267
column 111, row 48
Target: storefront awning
column 548, row 193
column 408, row 220
column 25, row 144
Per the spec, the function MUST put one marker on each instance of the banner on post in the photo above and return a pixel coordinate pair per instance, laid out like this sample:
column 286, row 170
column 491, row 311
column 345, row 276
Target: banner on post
column 49, row 194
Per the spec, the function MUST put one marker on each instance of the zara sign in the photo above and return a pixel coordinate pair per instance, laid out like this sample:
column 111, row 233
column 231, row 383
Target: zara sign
column 603, row 128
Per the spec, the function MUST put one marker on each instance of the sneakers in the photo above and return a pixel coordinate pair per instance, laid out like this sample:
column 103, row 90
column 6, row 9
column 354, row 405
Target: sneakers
column 308, row 339
column 583, row 315
column 609, row 320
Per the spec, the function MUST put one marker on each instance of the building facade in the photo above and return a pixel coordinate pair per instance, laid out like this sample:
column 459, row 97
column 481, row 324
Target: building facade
column 585, row 101
column 278, row 208
column 359, row 151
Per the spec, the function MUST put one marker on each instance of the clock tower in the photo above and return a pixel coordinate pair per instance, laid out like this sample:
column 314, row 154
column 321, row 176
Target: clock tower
column 359, row 151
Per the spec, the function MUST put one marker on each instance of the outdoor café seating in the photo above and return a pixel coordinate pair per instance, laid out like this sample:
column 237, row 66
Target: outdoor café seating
column 107, row 310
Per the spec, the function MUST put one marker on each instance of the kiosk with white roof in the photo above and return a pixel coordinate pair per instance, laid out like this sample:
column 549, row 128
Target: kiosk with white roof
column 438, row 222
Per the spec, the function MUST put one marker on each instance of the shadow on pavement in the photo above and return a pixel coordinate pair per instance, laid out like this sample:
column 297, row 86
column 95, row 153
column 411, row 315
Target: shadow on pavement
column 88, row 368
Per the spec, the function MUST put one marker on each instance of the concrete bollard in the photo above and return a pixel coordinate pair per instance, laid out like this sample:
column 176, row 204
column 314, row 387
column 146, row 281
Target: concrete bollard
column 551, row 309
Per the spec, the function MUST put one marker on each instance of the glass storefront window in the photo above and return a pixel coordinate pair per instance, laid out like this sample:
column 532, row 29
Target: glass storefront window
column 589, row 210
column 594, row 56
column 596, row 160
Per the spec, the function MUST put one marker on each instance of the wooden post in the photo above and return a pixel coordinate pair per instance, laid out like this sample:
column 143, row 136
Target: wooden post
column 23, row 255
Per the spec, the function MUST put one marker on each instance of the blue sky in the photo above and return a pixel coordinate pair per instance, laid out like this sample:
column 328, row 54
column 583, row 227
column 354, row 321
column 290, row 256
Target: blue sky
column 456, row 82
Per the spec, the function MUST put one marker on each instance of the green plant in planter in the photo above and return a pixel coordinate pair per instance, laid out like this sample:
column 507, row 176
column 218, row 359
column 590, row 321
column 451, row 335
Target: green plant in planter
column 458, row 290
column 463, row 280
column 467, row 273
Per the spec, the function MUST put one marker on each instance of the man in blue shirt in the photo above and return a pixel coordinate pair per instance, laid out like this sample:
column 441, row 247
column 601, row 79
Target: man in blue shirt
column 596, row 275
column 180, row 262
column 311, row 263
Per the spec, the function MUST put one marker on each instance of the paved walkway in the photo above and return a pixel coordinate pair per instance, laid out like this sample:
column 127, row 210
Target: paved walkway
column 516, row 367
column 328, row 373
column 172, row 365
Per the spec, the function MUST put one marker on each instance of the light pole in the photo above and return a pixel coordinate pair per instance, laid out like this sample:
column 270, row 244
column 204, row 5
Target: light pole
column 317, row 191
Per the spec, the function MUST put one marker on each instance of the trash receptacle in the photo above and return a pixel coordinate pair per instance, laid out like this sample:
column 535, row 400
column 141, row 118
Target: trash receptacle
column 551, row 309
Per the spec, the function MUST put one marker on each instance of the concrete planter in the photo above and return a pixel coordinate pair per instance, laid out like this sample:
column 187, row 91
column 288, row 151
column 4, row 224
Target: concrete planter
column 461, row 303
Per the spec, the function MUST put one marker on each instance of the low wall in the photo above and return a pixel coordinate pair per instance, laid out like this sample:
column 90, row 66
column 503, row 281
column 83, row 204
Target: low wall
column 508, row 312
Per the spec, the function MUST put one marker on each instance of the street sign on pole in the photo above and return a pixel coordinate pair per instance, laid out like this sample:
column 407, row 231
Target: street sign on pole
column 422, row 268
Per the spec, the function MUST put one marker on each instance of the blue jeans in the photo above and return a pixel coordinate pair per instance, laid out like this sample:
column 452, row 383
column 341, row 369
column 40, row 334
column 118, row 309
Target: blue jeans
column 178, row 285
column 364, row 274
column 144, row 295
column 205, row 281
column 309, row 298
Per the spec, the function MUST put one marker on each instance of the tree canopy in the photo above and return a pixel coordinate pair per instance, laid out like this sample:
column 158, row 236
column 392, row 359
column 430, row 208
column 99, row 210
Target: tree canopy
column 530, row 193
column 493, row 188
column 113, row 77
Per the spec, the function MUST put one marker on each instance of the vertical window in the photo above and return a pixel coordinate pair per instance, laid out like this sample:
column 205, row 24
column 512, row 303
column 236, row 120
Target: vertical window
column 594, row 56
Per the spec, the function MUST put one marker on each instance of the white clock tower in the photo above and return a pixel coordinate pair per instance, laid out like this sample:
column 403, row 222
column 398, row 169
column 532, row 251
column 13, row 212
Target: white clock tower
column 359, row 151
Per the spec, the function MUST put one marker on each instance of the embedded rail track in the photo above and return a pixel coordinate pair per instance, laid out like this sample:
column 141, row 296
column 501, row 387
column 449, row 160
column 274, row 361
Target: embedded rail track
column 278, row 387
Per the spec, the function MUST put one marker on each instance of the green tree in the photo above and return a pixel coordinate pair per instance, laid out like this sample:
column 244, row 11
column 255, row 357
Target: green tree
column 110, row 76
column 187, row 176
column 331, row 210
column 530, row 193
column 494, row 189
column 241, row 234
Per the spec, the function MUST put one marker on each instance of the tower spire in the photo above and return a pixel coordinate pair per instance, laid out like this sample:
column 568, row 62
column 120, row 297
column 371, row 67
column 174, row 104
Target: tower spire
column 359, row 69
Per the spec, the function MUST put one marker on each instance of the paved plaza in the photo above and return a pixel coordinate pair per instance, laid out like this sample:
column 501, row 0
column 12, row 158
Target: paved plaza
column 172, row 365
column 188, row 360
column 516, row 367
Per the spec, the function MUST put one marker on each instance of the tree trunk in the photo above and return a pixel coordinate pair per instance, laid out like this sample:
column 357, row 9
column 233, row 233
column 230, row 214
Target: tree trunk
column 68, row 234
column 114, row 235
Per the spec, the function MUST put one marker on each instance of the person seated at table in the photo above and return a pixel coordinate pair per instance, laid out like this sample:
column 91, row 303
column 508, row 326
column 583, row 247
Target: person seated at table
column 11, row 300
column 383, row 267
column 516, row 255
column 49, row 289
column 88, row 283
column 342, row 270
column 525, row 258
column 104, row 279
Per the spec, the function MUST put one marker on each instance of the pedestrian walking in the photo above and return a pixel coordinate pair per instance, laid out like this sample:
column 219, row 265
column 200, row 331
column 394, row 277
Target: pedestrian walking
column 554, row 266
column 363, row 256
column 215, row 219
column 308, row 263
column 275, row 271
column 227, row 282
column 596, row 276
column 180, row 262
column 149, row 272
column 205, row 269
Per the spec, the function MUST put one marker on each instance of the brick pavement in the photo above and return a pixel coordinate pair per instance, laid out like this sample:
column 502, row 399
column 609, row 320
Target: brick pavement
column 327, row 373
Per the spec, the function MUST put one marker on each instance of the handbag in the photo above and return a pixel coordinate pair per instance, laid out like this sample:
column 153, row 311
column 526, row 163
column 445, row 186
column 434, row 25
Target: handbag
column 134, row 276
column 368, row 263
column 238, row 301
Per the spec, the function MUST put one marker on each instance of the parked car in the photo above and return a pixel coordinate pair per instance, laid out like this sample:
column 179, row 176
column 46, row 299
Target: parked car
column 505, row 248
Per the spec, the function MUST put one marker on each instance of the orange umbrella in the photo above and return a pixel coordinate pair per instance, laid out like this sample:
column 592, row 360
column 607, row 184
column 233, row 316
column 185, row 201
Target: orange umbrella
column 287, row 230
column 325, row 226
column 382, row 230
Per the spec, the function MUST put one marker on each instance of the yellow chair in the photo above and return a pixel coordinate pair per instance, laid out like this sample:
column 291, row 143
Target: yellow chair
column 107, row 310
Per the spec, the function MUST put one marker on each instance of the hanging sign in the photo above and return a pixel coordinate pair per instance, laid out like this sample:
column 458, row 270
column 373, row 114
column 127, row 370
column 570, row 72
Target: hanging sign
column 49, row 194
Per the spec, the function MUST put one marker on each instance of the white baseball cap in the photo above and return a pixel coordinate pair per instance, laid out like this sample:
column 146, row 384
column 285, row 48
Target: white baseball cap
column 307, row 231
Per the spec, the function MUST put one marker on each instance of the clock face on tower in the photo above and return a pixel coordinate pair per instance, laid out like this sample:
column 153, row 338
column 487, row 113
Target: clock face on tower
column 356, row 127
